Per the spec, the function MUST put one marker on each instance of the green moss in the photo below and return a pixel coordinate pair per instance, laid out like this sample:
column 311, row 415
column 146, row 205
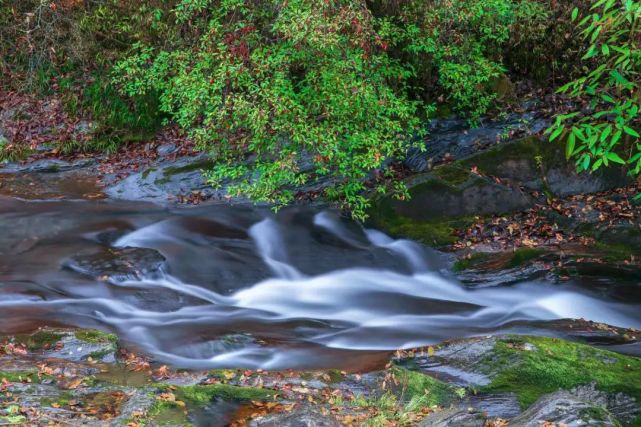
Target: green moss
column 335, row 376
column 437, row 233
column 471, row 262
column 203, row 394
column 39, row 340
column 97, row 355
column 20, row 376
column 168, row 413
column 453, row 174
column 523, row 255
column 62, row 400
column 146, row 173
column 96, row 337
column 417, row 385
column 492, row 162
column 593, row 413
column 558, row 364
column 196, row 166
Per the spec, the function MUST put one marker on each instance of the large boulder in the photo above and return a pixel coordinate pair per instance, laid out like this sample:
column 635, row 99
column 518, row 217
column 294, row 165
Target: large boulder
column 509, row 177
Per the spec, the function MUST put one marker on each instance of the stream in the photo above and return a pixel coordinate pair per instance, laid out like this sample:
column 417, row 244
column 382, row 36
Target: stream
column 219, row 286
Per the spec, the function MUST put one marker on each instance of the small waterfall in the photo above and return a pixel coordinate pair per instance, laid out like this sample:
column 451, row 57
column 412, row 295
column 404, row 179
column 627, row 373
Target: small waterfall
column 411, row 251
column 272, row 249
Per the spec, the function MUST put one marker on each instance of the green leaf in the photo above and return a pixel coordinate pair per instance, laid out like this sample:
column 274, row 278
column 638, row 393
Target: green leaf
column 586, row 162
column 615, row 158
column 575, row 14
column 569, row 147
column 605, row 49
column 631, row 132
column 558, row 131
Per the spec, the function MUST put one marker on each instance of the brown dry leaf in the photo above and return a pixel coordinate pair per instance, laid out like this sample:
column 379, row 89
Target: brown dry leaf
column 167, row 397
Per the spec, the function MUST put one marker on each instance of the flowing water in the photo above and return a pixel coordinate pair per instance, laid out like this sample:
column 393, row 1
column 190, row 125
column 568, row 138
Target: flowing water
column 242, row 287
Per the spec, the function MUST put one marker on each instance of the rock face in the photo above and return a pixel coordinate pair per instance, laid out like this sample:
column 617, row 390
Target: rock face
column 569, row 409
column 117, row 264
column 166, row 180
column 483, row 365
column 453, row 137
column 433, row 197
column 304, row 417
column 508, row 177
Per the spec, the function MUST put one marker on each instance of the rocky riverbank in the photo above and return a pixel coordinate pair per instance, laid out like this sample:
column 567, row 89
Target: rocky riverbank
column 84, row 377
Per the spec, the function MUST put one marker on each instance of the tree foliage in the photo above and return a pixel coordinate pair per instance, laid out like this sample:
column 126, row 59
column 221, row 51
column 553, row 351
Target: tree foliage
column 286, row 93
column 608, row 130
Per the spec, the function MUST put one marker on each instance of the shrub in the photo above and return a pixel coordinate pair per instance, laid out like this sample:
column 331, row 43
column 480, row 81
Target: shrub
column 282, row 94
column 457, row 47
column 608, row 131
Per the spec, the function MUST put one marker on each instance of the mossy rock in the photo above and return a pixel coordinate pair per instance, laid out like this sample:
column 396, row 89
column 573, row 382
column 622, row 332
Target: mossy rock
column 96, row 337
column 534, row 366
column 540, row 165
column 501, row 183
column 438, row 232
column 499, row 260
column 199, row 395
column 413, row 384
column 39, row 340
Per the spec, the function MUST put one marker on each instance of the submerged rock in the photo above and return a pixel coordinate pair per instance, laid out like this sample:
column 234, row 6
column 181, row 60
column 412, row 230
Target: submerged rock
column 118, row 264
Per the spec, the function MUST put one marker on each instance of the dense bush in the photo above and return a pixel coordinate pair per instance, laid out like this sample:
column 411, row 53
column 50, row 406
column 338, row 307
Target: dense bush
column 608, row 131
column 461, row 44
column 284, row 93
column 280, row 92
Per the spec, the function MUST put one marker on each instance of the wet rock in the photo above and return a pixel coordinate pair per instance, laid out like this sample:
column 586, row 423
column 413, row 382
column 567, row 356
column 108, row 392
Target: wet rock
column 455, row 417
column 45, row 186
column 166, row 181
column 306, row 416
column 85, row 345
column 454, row 138
column 85, row 127
column 166, row 149
column 566, row 408
column 475, row 411
column 48, row 166
column 511, row 176
column 628, row 235
column 434, row 197
column 459, row 362
column 118, row 264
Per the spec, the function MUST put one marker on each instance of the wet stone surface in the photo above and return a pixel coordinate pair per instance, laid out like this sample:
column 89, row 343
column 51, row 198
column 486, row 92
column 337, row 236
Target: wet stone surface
column 118, row 264
column 43, row 384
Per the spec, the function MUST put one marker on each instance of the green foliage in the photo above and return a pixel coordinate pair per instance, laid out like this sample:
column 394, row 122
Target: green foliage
column 282, row 94
column 413, row 393
column 120, row 119
column 461, row 43
column 607, row 132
